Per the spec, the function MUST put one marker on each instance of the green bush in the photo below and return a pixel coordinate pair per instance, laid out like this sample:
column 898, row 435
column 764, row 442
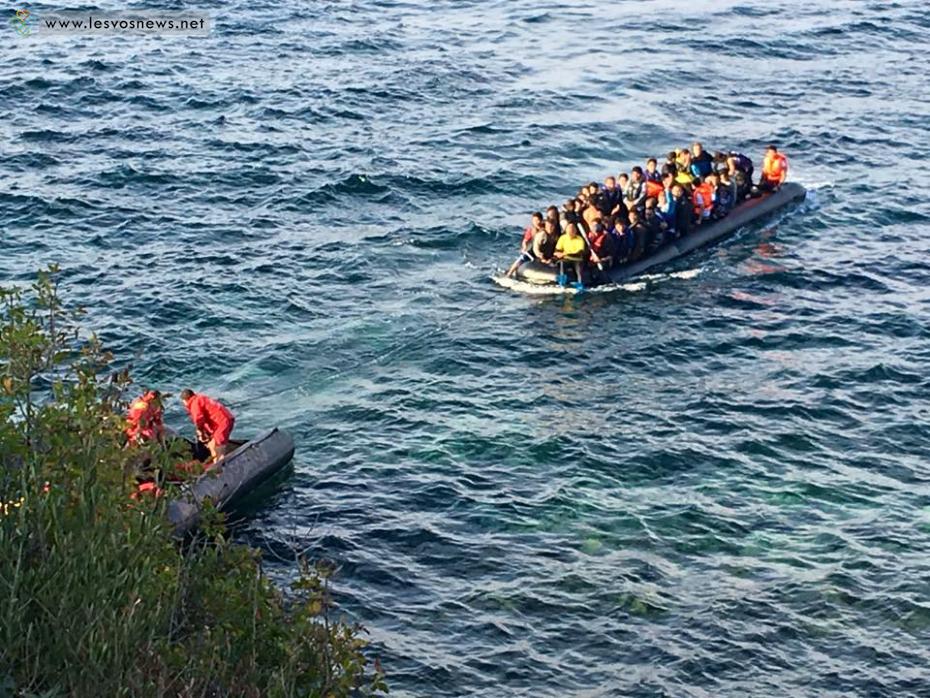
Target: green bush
column 96, row 597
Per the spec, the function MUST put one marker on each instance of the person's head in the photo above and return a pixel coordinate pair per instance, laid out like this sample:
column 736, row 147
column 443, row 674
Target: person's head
column 668, row 179
column 650, row 203
column 598, row 226
column 552, row 213
column 770, row 150
column 610, row 182
column 552, row 227
column 569, row 205
column 186, row 395
column 724, row 177
column 634, row 216
column 637, row 173
column 651, row 165
column 623, row 178
column 697, row 149
column 593, row 188
column 537, row 220
column 672, row 156
column 662, row 200
column 677, row 190
column 571, row 230
column 685, row 157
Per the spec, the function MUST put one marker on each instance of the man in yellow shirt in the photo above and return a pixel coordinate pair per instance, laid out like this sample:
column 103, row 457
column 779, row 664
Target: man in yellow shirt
column 571, row 248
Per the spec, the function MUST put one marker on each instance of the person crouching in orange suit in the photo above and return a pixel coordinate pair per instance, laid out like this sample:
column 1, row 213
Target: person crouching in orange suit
column 213, row 421
column 145, row 419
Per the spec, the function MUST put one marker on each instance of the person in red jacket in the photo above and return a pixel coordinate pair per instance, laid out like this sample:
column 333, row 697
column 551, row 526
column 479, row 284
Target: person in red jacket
column 145, row 418
column 213, row 421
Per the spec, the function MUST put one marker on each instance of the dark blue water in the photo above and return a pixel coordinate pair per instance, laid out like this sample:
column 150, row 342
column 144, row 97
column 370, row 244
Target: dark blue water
column 713, row 482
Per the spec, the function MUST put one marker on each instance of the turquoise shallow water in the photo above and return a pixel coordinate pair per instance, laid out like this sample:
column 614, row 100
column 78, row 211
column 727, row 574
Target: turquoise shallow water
column 713, row 483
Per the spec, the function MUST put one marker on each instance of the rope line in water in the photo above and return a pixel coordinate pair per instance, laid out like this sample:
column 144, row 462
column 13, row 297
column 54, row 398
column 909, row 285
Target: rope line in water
column 374, row 361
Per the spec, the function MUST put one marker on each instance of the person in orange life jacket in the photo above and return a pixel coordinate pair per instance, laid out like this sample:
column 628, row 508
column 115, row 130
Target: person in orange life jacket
column 702, row 164
column 634, row 194
column 213, row 421
column 526, row 244
column 774, row 170
column 703, row 199
column 652, row 173
column 640, row 233
column 145, row 418
column 653, row 188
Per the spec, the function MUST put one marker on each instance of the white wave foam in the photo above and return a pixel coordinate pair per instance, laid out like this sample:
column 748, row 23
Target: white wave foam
column 633, row 286
column 685, row 274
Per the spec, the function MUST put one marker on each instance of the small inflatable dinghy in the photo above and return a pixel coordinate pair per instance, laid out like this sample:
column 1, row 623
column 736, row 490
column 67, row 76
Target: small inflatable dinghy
column 238, row 474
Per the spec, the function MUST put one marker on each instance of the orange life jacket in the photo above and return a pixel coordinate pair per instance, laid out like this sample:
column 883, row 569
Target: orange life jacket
column 147, row 489
column 703, row 193
column 773, row 166
column 653, row 189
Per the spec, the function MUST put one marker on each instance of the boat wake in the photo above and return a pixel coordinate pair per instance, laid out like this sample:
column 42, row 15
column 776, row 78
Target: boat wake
column 639, row 284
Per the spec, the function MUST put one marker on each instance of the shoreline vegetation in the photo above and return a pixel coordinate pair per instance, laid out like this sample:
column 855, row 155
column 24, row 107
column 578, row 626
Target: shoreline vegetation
column 96, row 596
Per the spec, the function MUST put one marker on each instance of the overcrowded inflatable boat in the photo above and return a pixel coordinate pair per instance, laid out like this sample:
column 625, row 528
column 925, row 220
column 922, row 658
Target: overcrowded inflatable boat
column 747, row 212
column 649, row 216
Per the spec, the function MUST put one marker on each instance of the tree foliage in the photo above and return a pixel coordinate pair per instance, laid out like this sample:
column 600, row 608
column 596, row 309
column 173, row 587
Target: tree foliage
column 96, row 597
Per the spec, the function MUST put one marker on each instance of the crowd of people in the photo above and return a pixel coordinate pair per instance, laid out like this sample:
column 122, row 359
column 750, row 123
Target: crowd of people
column 634, row 214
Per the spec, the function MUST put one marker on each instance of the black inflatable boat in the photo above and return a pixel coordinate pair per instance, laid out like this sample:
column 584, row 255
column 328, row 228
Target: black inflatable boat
column 239, row 473
column 747, row 212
